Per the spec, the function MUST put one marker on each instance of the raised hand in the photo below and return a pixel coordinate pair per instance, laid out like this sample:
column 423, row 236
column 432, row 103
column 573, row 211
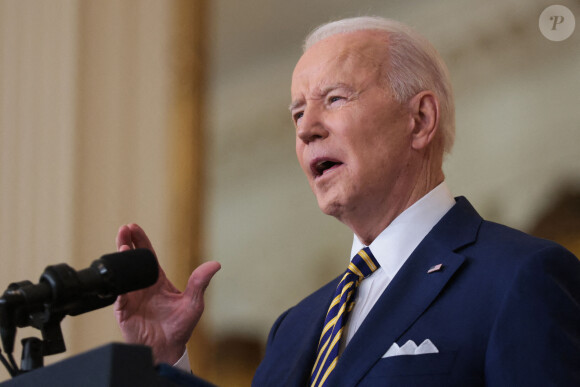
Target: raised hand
column 161, row 316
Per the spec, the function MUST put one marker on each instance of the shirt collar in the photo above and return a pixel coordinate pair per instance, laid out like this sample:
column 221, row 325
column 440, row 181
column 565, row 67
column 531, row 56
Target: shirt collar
column 396, row 243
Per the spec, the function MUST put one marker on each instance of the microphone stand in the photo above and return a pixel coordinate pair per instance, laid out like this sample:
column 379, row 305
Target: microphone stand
column 45, row 317
column 62, row 291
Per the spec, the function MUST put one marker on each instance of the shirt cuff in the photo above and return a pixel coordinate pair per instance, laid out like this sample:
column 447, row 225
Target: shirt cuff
column 183, row 363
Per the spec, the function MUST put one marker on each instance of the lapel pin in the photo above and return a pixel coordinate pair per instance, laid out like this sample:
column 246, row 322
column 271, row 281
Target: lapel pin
column 435, row 268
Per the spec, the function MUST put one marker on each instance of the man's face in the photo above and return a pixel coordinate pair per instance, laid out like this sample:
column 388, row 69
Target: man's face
column 352, row 137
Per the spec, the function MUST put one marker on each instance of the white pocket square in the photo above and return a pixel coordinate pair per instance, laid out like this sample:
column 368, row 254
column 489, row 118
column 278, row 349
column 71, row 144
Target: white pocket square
column 410, row 348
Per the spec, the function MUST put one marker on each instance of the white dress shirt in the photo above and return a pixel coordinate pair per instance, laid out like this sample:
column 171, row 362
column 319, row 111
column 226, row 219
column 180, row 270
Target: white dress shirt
column 183, row 362
column 392, row 248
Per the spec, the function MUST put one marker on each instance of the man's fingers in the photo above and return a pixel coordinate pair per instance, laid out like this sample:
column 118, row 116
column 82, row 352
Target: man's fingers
column 120, row 302
column 123, row 237
column 200, row 278
column 139, row 238
column 132, row 236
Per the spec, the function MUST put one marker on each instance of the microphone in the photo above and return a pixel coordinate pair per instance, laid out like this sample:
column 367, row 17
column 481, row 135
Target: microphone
column 111, row 275
column 63, row 291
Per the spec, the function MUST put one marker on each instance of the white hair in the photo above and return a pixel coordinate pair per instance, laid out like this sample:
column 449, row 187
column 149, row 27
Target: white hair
column 414, row 64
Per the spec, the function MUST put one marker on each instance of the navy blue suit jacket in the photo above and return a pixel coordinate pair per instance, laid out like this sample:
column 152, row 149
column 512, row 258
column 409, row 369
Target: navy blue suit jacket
column 503, row 311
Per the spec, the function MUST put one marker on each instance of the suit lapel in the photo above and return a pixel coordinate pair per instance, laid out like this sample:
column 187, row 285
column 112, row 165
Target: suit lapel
column 309, row 336
column 409, row 294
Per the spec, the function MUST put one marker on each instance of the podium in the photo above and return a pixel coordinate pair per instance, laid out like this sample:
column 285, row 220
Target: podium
column 112, row 365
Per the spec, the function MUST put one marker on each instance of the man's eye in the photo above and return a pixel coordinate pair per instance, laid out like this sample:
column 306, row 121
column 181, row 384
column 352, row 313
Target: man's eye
column 297, row 116
column 334, row 98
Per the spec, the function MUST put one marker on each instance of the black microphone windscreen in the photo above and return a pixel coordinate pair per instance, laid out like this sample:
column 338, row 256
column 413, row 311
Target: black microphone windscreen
column 130, row 270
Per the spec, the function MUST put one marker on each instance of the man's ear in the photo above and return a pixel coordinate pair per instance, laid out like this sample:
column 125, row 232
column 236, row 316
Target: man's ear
column 424, row 109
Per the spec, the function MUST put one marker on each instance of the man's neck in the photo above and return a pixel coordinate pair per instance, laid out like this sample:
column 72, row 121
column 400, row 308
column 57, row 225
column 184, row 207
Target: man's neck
column 369, row 222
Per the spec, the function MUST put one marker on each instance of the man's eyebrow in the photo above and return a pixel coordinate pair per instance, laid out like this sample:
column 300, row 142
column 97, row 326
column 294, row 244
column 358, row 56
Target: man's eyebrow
column 295, row 104
column 320, row 93
column 327, row 89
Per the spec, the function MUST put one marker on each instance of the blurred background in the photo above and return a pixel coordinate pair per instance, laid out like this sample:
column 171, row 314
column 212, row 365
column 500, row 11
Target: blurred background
column 173, row 114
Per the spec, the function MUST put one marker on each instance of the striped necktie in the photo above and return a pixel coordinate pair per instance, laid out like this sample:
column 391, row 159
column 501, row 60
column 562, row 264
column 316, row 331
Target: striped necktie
column 361, row 266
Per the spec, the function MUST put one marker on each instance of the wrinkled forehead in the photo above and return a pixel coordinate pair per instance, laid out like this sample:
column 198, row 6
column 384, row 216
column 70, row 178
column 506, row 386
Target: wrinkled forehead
column 360, row 53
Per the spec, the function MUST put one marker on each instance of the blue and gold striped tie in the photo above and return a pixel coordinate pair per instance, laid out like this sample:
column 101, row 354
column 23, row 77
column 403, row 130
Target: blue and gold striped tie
column 361, row 266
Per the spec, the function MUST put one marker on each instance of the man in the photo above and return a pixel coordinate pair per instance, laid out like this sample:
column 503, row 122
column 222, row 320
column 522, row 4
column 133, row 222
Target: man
column 447, row 298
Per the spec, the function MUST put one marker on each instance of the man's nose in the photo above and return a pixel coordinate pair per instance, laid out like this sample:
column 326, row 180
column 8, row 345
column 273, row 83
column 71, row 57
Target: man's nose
column 311, row 127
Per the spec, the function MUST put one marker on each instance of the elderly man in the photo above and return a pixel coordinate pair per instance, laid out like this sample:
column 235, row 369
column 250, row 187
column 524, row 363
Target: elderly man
column 433, row 295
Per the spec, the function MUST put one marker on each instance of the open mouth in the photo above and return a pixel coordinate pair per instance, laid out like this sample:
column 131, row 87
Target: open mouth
column 319, row 167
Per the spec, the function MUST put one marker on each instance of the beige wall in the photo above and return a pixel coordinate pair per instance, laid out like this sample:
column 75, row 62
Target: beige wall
column 98, row 127
column 37, row 140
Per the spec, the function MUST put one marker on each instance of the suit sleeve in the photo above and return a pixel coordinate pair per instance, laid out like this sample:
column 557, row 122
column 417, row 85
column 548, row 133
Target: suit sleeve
column 535, row 340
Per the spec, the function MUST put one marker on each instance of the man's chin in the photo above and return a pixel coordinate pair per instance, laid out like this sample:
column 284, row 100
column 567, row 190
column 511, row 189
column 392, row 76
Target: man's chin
column 330, row 207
